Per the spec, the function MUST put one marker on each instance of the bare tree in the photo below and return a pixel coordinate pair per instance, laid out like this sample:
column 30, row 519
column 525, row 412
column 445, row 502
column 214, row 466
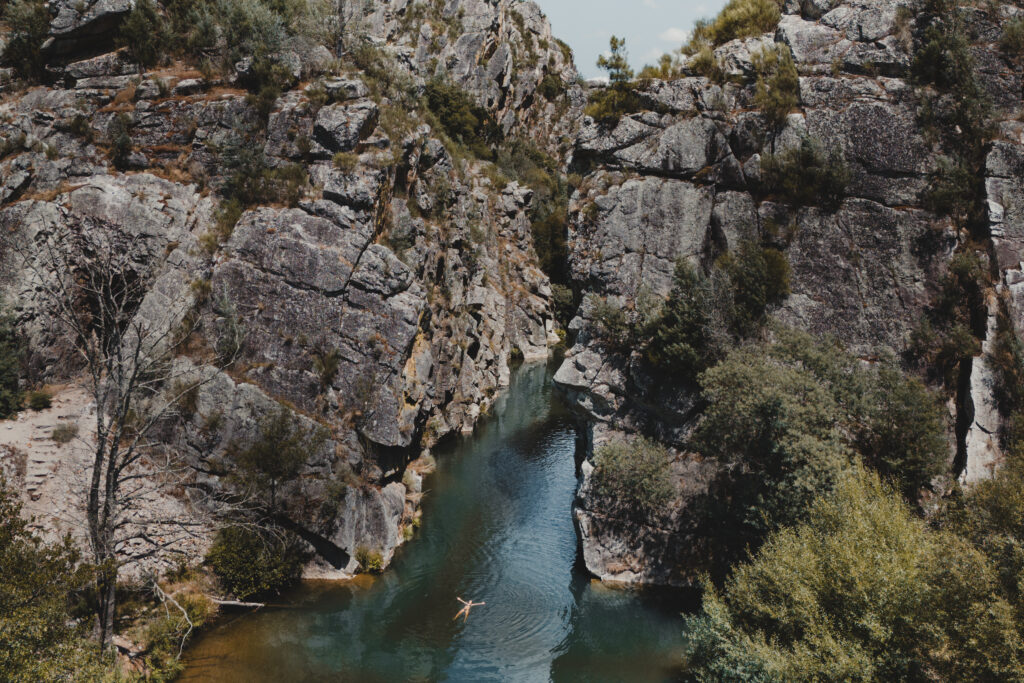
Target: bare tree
column 91, row 283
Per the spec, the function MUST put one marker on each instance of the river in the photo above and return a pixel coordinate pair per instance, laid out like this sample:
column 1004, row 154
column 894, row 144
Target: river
column 497, row 528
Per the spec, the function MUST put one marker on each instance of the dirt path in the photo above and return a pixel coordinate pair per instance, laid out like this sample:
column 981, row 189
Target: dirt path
column 53, row 480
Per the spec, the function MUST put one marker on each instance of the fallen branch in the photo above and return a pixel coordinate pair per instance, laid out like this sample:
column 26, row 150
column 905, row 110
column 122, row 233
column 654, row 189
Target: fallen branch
column 237, row 603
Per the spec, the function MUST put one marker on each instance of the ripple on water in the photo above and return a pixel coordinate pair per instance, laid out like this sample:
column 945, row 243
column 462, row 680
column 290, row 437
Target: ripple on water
column 497, row 528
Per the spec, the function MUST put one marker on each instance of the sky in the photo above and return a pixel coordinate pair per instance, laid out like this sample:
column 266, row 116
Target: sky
column 650, row 27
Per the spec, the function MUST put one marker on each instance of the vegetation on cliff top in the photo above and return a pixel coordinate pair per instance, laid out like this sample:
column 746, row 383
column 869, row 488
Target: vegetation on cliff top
column 738, row 19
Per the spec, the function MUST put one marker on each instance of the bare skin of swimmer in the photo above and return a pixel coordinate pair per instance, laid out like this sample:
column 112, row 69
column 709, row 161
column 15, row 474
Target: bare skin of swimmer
column 464, row 612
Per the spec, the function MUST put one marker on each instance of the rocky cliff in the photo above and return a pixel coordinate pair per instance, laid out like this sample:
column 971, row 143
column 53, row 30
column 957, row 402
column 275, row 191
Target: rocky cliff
column 378, row 285
column 681, row 178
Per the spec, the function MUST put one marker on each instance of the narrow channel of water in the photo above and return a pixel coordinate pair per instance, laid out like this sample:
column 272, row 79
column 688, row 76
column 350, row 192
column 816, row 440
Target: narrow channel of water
column 497, row 528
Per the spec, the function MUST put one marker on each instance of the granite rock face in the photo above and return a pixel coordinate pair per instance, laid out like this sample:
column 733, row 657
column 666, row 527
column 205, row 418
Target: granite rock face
column 385, row 303
column 498, row 50
column 681, row 180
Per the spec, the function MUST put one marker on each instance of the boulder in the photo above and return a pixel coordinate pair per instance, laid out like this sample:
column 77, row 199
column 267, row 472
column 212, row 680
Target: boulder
column 340, row 127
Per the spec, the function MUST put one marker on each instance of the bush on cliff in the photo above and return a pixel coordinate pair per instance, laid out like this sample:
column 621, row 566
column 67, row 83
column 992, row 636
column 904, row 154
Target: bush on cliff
column 787, row 418
column 705, row 315
column 1012, row 40
column 531, row 166
column 29, row 23
column 956, row 110
column 636, row 474
column 252, row 562
column 806, row 175
column 462, row 119
column 991, row 516
column 144, row 35
column 861, row 591
column 10, row 366
column 778, row 84
column 950, row 334
column 775, row 426
column 619, row 98
column 277, row 456
column 738, row 19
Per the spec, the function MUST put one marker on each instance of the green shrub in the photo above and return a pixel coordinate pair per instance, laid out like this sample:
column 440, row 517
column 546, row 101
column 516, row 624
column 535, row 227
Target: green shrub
column 787, row 417
column 11, row 354
column 944, row 58
column 165, row 636
column 609, row 104
column 667, row 68
column 524, row 162
column 951, row 332
column 325, row 365
column 806, row 176
column 956, row 110
column 861, row 591
column 684, row 340
column 265, row 80
column 952, row 189
column 29, row 23
column 251, row 563
column 39, row 400
column 12, row 145
column 563, row 303
column 462, row 119
column 230, row 333
column 252, row 181
column 253, row 29
column 739, row 19
column 551, row 87
column 143, row 34
column 79, row 127
column 777, row 272
column 40, row 583
column 775, row 426
column 64, row 432
column 704, row 63
column 990, row 515
column 707, row 314
column 1006, row 359
column 903, row 433
column 778, row 84
column 346, row 162
column 121, row 144
column 278, row 455
column 370, row 561
column 1012, row 40
column 612, row 325
column 636, row 474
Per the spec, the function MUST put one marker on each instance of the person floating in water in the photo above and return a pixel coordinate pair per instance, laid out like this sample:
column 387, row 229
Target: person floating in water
column 464, row 612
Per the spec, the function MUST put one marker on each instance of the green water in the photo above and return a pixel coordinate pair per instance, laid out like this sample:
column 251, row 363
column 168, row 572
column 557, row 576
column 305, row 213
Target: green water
column 497, row 528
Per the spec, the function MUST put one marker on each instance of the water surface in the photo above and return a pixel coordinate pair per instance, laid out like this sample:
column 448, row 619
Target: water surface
column 497, row 528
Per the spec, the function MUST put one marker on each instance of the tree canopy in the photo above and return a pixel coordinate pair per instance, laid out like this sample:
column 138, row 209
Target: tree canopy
column 40, row 638
column 861, row 591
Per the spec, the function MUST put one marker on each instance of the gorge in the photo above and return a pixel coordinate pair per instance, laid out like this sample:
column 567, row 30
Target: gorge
column 264, row 267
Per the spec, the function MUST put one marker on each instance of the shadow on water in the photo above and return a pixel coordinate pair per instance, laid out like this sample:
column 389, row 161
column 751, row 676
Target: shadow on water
column 497, row 528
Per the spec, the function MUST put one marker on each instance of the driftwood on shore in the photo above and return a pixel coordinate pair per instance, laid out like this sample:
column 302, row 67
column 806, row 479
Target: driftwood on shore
column 237, row 603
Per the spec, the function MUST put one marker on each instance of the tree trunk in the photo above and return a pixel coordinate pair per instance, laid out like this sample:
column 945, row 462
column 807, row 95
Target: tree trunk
column 106, row 589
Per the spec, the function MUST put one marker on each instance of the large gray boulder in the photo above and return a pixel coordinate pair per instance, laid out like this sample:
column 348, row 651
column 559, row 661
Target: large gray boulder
column 340, row 127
